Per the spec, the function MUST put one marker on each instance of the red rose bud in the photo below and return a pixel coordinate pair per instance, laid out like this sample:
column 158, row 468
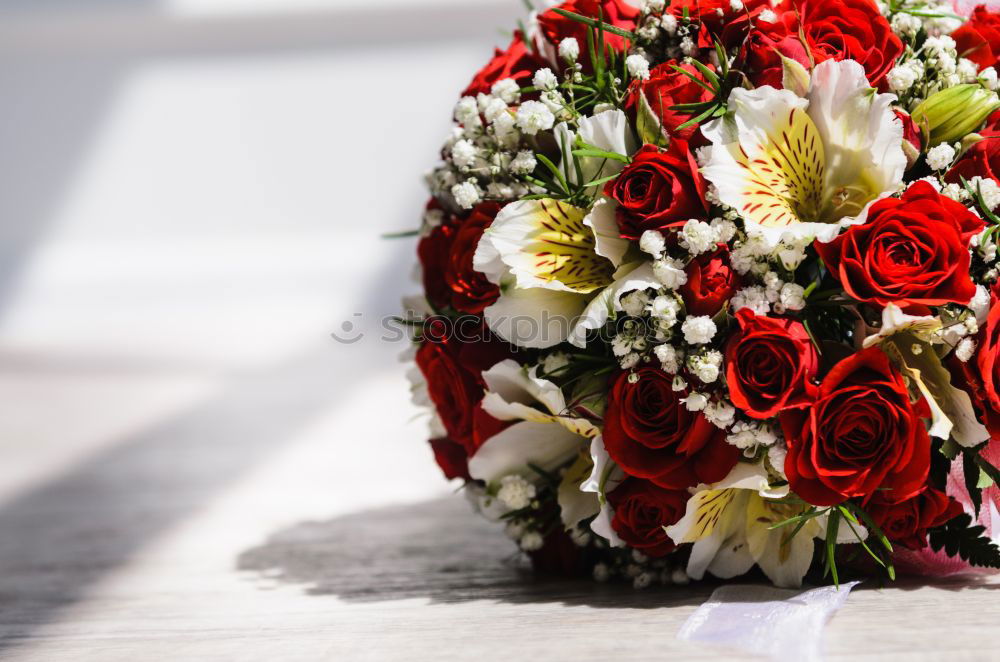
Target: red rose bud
column 711, row 283
column 516, row 62
column 906, row 523
column 658, row 190
column 912, row 250
column 471, row 292
column 861, row 435
column 770, row 365
column 650, row 433
column 978, row 39
column 912, row 143
column 642, row 509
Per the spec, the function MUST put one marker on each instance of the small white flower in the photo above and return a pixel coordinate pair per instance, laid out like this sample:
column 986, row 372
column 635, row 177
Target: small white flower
column 650, row 6
column 754, row 298
column 492, row 108
column 988, row 77
column 968, row 70
column 669, row 24
column 736, row 5
column 467, row 194
column 668, row 357
column 906, row 25
column 695, row 401
column 940, row 157
column 467, row 111
column 524, row 163
column 514, row 530
column 720, row 414
column 767, row 16
column 634, row 303
column 698, row 330
column 699, row 237
column 532, row 541
column 545, row 80
column 534, row 116
column 569, row 49
column 515, row 492
column 665, row 308
column 638, row 66
column 652, row 242
column 901, row 78
column 989, row 189
column 792, row 296
column 506, row 89
column 601, row 573
column 965, row 350
column 980, row 304
column 679, row 384
column 670, row 272
column 687, row 46
column 464, row 154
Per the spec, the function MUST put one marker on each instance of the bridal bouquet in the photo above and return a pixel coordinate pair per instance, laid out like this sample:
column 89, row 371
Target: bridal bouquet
column 712, row 285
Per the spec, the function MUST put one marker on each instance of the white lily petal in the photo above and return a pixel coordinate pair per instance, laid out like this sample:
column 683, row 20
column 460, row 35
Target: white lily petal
column 608, row 302
column 535, row 318
column 602, row 526
column 785, row 562
column 605, row 476
column 731, row 559
column 510, row 451
column 601, row 220
column 608, row 131
column 576, row 505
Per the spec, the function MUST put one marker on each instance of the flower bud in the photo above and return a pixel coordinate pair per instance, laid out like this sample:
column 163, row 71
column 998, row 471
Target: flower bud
column 953, row 113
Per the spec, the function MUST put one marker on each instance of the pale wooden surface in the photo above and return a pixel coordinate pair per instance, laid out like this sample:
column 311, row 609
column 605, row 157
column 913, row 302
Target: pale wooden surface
column 190, row 469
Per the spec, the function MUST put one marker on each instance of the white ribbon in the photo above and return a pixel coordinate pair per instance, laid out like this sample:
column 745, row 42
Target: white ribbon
column 779, row 623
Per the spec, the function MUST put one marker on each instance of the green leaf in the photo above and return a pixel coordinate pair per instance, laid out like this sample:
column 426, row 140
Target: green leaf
column 601, row 154
column 694, row 78
column 594, row 23
column 832, row 527
column 988, row 469
column 544, row 160
column 400, row 235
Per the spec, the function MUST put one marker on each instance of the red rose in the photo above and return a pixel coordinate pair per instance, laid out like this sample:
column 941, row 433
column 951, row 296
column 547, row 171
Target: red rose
column 812, row 31
column 711, row 282
column 454, row 390
column 978, row 39
column 650, row 433
column 981, row 160
column 446, row 259
column 642, row 509
column 980, row 377
column 906, row 523
column 664, row 89
column 618, row 13
column 658, row 190
column 861, row 435
column 770, row 365
column 515, row 62
column 912, row 250
column 451, row 457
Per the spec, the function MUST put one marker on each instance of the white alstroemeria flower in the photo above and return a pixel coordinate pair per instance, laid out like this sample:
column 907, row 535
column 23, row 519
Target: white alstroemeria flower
column 729, row 524
column 811, row 164
column 543, row 435
column 549, row 259
column 910, row 342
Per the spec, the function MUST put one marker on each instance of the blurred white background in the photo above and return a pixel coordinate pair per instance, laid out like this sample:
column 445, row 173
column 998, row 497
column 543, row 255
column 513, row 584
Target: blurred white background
column 192, row 194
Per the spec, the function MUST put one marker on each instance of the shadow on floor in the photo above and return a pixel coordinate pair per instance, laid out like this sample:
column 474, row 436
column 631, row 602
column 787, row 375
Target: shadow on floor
column 438, row 550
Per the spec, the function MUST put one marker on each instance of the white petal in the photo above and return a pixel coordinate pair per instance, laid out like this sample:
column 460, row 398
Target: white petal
column 862, row 137
column 608, row 302
column 534, row 318
column 575, row 505
column 731, row 559
column 785, row 567
column 604, row 477
column 602, row 526
column 608, row 131
column 605, row 226
column 545, row 445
